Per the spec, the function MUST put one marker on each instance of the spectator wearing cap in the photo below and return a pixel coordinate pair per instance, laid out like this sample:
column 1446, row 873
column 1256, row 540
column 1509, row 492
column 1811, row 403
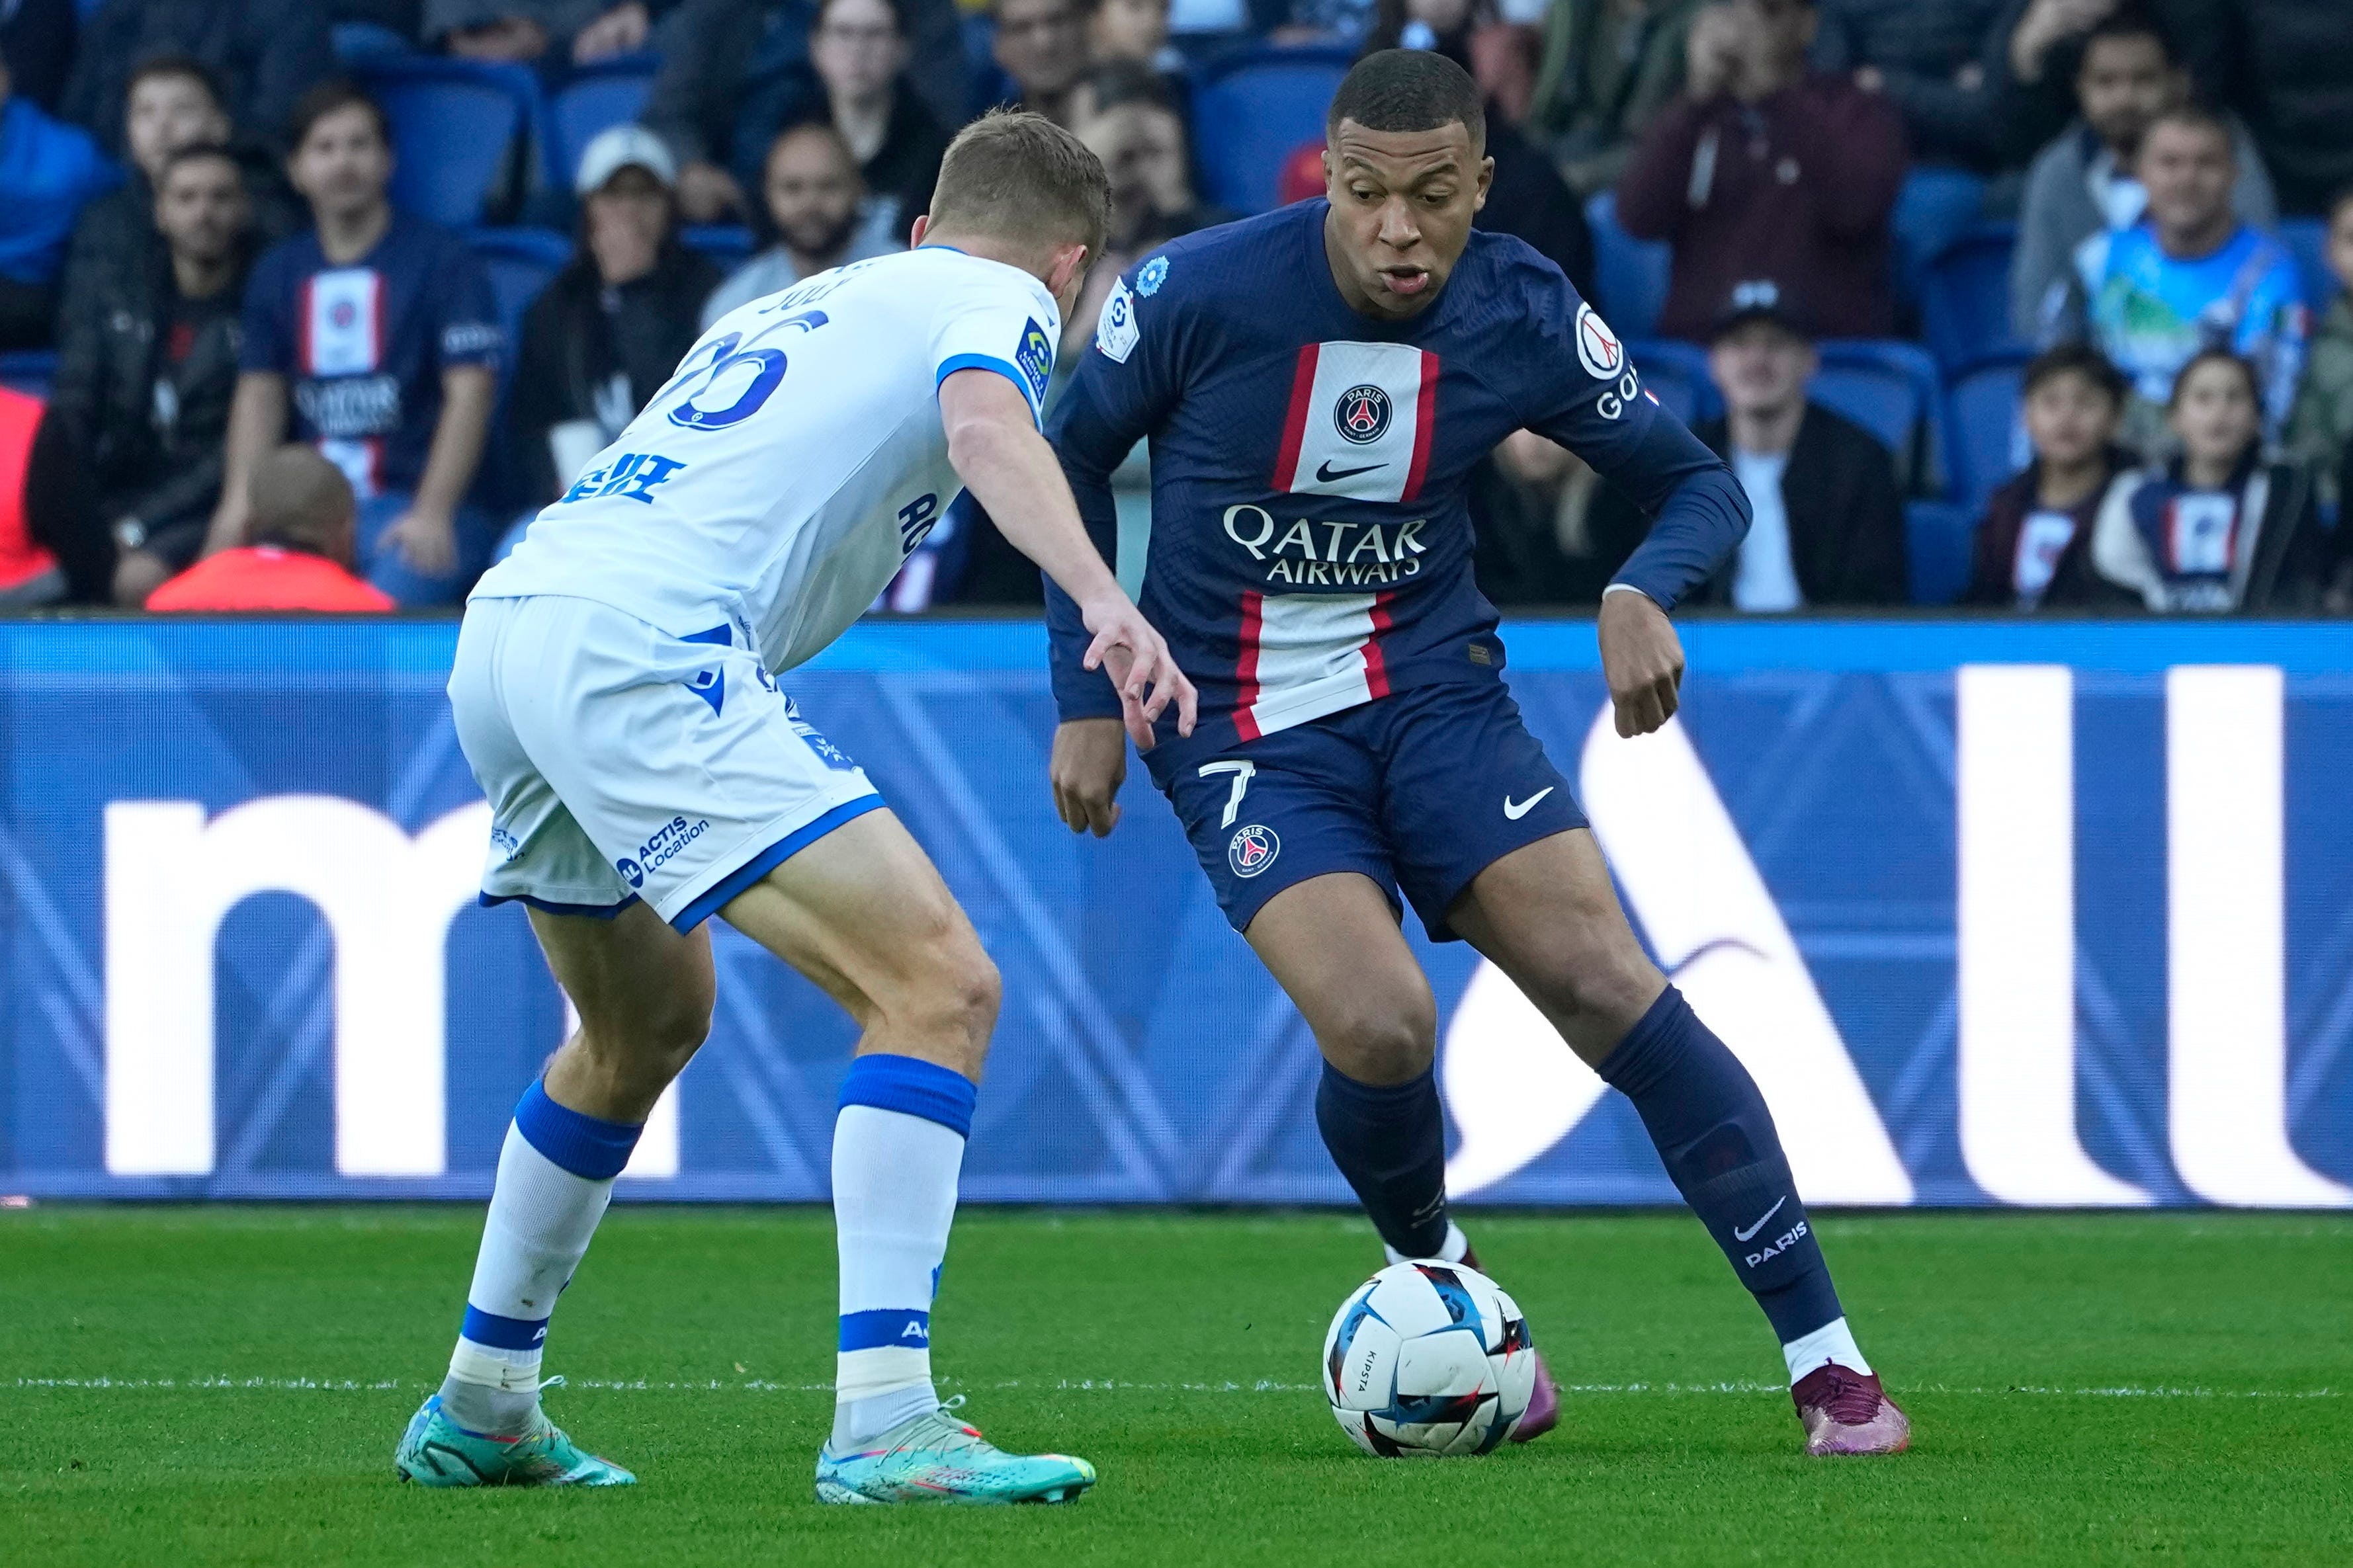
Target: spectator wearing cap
column 262, row 54
column 305, row 525
column 374, row 338
column 2035, row 537
column 1828, row 514
column 129, row 469
column 49, row 171
column 735, row 72
column 609, row 329
column 2086, row 182
column 822, row 215
column 2191, row 274
column 1762, row 169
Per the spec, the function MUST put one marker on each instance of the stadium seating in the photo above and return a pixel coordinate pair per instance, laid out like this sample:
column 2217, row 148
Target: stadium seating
column 28, row 370
column 1677, row 373
column 454, row 124
column 2308, row 237
column 1251, row 108
column 1988, row 443
column 1939, row 544
column 1893, row 389
column 520, row 261
column 728, row 244
column 609, row 93
column 1630, row 274
column 1934, row 209
column 1965, row 296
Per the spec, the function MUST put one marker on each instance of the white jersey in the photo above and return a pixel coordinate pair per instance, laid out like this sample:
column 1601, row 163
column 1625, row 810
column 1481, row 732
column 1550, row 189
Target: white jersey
column 796, row 458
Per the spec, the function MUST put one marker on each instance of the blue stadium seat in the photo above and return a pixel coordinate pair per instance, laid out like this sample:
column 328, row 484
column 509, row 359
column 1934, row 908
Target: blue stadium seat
column 1677, row 373
column 609, row 93
column 358, row 42
column 728, row 244
column 1965, row 296
column 1630, row 275
column 520, row 261
column 1934, row 209
column 453, row 125
column 2308, row 237
column 28, row 370
column 1893, row 389
column 1251, row 109
column 1939, row 545
column 1988, row 441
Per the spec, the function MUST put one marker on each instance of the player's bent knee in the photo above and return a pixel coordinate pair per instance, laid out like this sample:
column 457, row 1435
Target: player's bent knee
column 1381, row 1042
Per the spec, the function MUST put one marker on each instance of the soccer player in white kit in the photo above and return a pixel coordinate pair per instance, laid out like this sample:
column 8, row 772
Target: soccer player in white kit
column 615, row 692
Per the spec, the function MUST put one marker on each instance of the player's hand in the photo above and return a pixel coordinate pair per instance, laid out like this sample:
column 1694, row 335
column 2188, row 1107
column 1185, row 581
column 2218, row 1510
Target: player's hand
column 1140, row 666
column 1090, row 763
column 1642, row 659
column 618, row 31
column 428, row 542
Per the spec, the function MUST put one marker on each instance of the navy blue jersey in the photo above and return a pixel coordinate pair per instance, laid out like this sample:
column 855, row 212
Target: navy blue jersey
column 1310, row 543
column 363, row 347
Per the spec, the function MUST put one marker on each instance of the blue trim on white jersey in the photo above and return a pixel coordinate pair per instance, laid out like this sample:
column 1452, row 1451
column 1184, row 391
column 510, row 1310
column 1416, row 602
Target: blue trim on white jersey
column 768, row 859
column 550, row 907
column 912, row 1087
column 1004, row 367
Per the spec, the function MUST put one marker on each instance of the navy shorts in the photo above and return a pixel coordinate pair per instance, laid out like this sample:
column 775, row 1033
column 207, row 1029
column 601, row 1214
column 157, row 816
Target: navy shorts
column 1420, row 791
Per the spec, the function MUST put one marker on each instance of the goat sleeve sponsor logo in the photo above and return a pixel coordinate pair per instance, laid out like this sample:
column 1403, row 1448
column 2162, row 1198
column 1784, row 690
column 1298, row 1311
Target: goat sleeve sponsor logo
column 1601, row 351
column 1309, row 553
column 657, row 851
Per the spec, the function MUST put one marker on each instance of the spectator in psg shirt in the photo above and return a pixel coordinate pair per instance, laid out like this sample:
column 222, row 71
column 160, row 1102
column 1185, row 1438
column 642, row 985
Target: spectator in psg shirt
column 1764, row 170
column 130, row 469
column 375, row 339
column 304, row 528
column 2033, row 542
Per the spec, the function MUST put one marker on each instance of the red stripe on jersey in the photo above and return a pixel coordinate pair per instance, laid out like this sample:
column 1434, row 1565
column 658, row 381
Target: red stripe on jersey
column 1245, row 671
column 1377, row 669
column 1425, row 420
column 302, row 309
column 375, row 326
column 1294, row 424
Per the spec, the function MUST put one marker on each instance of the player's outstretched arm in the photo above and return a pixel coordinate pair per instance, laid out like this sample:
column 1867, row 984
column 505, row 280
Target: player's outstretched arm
column 995, row 446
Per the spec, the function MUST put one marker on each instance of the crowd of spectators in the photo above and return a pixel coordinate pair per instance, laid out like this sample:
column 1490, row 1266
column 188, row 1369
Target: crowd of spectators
column 196, row 217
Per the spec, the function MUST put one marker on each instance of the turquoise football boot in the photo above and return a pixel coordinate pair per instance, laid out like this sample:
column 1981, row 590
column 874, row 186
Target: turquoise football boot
column 934, row 1458
column 437, row 1452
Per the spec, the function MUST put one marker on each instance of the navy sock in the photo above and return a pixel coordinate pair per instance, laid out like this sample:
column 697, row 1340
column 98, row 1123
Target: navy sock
column 1389, row 1141
column 1716, row 1137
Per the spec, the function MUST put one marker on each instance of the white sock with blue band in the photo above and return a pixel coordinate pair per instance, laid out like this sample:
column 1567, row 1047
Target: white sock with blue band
column 898, row 1149
column 556, row 1177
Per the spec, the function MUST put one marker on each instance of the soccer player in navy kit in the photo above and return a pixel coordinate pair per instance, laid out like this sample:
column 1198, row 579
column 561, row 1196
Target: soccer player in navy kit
column 1317, row 384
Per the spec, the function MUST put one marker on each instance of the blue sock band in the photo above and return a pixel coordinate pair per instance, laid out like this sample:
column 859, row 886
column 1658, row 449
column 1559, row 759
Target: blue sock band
column 914, row 1087
column 1389, row 1141
column 888, row 1328
column 502, row 1333
column 588, row 1147
column 1716, row 1138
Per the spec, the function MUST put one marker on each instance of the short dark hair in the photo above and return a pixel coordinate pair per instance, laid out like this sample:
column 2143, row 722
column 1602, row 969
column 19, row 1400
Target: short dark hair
column 198, row 153
column 2076, row 359
column 2216, row 354
column 1018, row 176
column 300, row 499
column 173, row 68
column 333, row 97
column 2198, row 117
column 1407, row 90
column 2131, row 23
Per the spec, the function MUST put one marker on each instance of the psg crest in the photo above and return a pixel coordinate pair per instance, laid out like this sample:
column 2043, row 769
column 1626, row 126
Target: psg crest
column 1253, row 849
column 1362, row 415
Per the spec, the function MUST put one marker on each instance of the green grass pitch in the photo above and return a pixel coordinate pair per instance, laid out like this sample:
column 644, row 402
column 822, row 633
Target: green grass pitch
column 189, row 1387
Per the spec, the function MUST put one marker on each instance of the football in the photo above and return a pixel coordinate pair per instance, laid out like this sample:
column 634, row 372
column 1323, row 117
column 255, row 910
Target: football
column 1428, row 1359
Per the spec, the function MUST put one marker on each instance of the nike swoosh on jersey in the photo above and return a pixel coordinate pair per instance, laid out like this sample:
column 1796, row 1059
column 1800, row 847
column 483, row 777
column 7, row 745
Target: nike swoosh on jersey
column 1516, row 809
column 1326, row 473
column 1768, row 1214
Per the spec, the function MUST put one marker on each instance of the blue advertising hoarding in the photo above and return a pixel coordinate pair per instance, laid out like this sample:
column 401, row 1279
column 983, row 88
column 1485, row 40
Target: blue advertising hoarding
column 1997, row 913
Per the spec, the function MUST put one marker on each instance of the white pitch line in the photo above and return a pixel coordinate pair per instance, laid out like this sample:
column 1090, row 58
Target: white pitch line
column 1115, row 1385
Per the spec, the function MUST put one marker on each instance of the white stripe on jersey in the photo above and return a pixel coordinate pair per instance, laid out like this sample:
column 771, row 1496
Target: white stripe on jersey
column 1306, row 655
column 344, row 328
column 1356, row 423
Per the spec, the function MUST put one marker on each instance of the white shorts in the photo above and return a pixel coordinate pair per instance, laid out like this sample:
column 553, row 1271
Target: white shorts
column 623, row 762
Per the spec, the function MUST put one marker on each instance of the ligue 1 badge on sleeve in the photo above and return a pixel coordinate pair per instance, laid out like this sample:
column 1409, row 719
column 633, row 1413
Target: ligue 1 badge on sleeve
column 1150, row 275
column 1115, row 329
